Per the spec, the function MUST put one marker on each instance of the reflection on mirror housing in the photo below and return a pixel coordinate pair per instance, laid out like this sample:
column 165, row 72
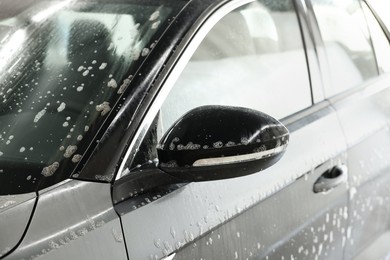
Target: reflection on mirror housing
column 220, row 142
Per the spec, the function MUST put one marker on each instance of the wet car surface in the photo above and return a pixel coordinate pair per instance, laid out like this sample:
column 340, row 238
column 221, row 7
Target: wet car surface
column 194, row 130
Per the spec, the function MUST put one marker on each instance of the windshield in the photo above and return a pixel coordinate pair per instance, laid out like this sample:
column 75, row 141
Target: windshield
column 63, row 65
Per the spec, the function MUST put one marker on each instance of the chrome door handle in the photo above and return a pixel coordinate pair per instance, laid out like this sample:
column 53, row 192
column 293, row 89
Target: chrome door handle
column 331, row 179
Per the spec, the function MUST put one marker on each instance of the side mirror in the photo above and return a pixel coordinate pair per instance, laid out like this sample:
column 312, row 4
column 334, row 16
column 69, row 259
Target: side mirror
column 220, row 142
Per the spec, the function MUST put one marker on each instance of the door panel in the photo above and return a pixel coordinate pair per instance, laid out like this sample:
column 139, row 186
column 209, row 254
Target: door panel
column 293, row 223
column 365, row 119
column 274, row 212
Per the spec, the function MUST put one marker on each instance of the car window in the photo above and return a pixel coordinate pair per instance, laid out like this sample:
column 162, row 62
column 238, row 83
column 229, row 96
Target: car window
column 63, row 67
column 379, row 40
column 253, row 57
column 347, row 43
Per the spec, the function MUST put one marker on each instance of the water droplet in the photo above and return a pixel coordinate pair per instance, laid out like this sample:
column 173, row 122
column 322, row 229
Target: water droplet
column 154, row 15
column 157, row 243
column 144, row 52
column 112, row 83
column 117, row 235
column 50, row 170
column 173, row 232
column 70, row 150
column 39, row 115
column 61, row 107
column 104, row 108
column 103, row 66
column 76, row 158
column 124, row 86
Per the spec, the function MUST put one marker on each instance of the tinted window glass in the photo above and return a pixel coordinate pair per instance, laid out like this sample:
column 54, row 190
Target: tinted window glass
column 253, row 57
column 379, row 40
column 63, row 67
column 347, row 43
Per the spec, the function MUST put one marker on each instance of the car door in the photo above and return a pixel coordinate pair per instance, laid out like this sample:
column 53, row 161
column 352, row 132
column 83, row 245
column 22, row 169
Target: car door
column 360, row 93
column 248, row 54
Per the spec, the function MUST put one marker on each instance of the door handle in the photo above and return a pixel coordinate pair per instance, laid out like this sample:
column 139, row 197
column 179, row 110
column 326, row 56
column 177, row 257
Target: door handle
column 331, row 179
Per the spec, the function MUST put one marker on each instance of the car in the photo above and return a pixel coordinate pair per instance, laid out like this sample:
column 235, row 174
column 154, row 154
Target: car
column 194, row 129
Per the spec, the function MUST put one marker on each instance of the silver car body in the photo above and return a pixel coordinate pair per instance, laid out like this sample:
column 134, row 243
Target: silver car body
column 273, row 214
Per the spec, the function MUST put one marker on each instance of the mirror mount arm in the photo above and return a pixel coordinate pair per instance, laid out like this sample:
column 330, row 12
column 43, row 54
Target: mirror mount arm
column 141, row 182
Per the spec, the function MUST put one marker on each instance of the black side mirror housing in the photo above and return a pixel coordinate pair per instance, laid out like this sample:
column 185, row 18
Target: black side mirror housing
column 220, row 142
